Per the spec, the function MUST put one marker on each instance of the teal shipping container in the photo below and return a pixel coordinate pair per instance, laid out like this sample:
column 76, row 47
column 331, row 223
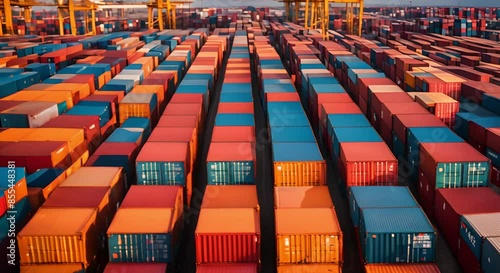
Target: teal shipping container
column 234, row 120
column 231, row 163
column 454, row 165
column 396, row 235
column 368, row 197
column 136, row 122
column 156, row 166
column 490, row 263
column 132, row 135
column 476, row 228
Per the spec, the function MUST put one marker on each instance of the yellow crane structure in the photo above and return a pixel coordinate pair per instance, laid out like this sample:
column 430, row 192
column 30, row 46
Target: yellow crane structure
column 318, row 11
column 160, row 6
column 65, row 8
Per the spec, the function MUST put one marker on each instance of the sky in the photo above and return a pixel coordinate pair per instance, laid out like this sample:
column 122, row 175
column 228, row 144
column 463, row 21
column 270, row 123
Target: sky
column 270, row 3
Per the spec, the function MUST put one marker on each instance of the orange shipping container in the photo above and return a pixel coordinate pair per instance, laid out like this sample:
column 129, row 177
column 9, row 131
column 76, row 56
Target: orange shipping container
column 138, row 105
column 151, row 89
column 401, row 268
column 51, row 268
column 15, row 134
column 309, row 268
column 20, row 190
column 308, row 235
column 59, row 236
column 299, row 173
column 233, row 196
column 302, row 197
column 74, row 137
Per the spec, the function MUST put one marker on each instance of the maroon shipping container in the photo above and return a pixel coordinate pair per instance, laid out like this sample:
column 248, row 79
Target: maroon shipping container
column 34, row 155
column 466, row 258
column 135, row 267
column 479, row 134
column 364, row 83
column 6, row 104
column 85, row 197
column 474, row 91
column 376, row 106
column 493, row 139
column 89, row 124
column 453, row 203
column 227, row 236
column 227, row 268
column 114, row 149
column 495, row 176
column 427, row 194
column 178, row 121
column 153, row 196
column 367, row 164
column 316, row 102
column 389, row 110
column 363, row 105
column 401, row 123
column 84, row 78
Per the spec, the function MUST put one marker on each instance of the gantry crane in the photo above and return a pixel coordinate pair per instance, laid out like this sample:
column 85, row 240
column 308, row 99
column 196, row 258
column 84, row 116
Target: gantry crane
column 160, row 5
column 64, row 8
column 318, row 11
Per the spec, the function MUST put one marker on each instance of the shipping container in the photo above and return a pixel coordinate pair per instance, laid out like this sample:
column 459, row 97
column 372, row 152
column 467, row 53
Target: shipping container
column 234, row 120
column 298, row 164
column 233, row 134
column 135, row 267
column 291, row 134
column 74, row 137
column 34, row 155
column 60, row 235
column 153, row 233
column 352, row 134
column 139, row 105
column 367, row 197
column 308, row 235
column 233, row 196
column 450, row 204
column 215, row 229
column 302, row 197
column 179, row 134
column 50, row 268
column 32, row 114
column 378, row 167
column 231, row 163
column 410, row 238
column 155, row 167
column 143, row 123
column 491, row 255
column 474, row 230
column 178, row 121
column 89, row 124
column 402, row 268
column 227, row 268
column 454, row 165
column 309, row 268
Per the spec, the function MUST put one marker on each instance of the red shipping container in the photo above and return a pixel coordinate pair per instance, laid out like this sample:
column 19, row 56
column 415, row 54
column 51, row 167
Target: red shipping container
column 233, row 134
column 178, row 121
column 227, row 268
column 368, row 164
column 236, row 107
column 153, row 196
column 453, row 203
column 227, row 236
column 401, row 123
column 179, row 134
column 335, row 108
column 89, row 124
column 186, row 109
column 402, row 268
column 474, row 91
column 427, row 194
column 135, row 267
column 3, row 204
column 363, row 105
column 378, row 99
column 389, row 110
column 364, row 83
column 187, row 98
column 466, row 258
column 282, row 96
column 495, row 176
column 6, row 104
column 83, row 78
column 34, row 155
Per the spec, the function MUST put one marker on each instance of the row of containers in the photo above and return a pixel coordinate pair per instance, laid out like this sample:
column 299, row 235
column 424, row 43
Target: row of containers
column 439, row 162
column 227, row 234
column 49, row 141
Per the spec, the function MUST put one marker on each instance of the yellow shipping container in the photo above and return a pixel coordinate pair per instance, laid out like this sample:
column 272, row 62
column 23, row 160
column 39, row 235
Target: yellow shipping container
column 15, row 134
column 58, row 97
column 147, row 65
column 136, row 105
column 52, row 268
column 59, row 236
column 24, row 96
column 308, row 235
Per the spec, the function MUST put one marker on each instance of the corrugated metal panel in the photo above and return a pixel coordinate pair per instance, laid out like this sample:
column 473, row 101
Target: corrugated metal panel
column 491, row 255
column 474, row 228
column 227, row 268
column 378, row 197
column 309, row 268
column 292, row 134
column 50, row 268
column 308, row 235
column 397, row 235
column 134, row 267
column 402, row 268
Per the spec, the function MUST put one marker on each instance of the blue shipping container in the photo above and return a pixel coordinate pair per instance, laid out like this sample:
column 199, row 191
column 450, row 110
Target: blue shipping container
column 475, row 228
column 292, row 134
column 378, row 197
column 490, row 262
column 409, row 238
column 353, row 134
column 136, row 122
column 296, row 152
column 234, row 120
column 133, row 135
